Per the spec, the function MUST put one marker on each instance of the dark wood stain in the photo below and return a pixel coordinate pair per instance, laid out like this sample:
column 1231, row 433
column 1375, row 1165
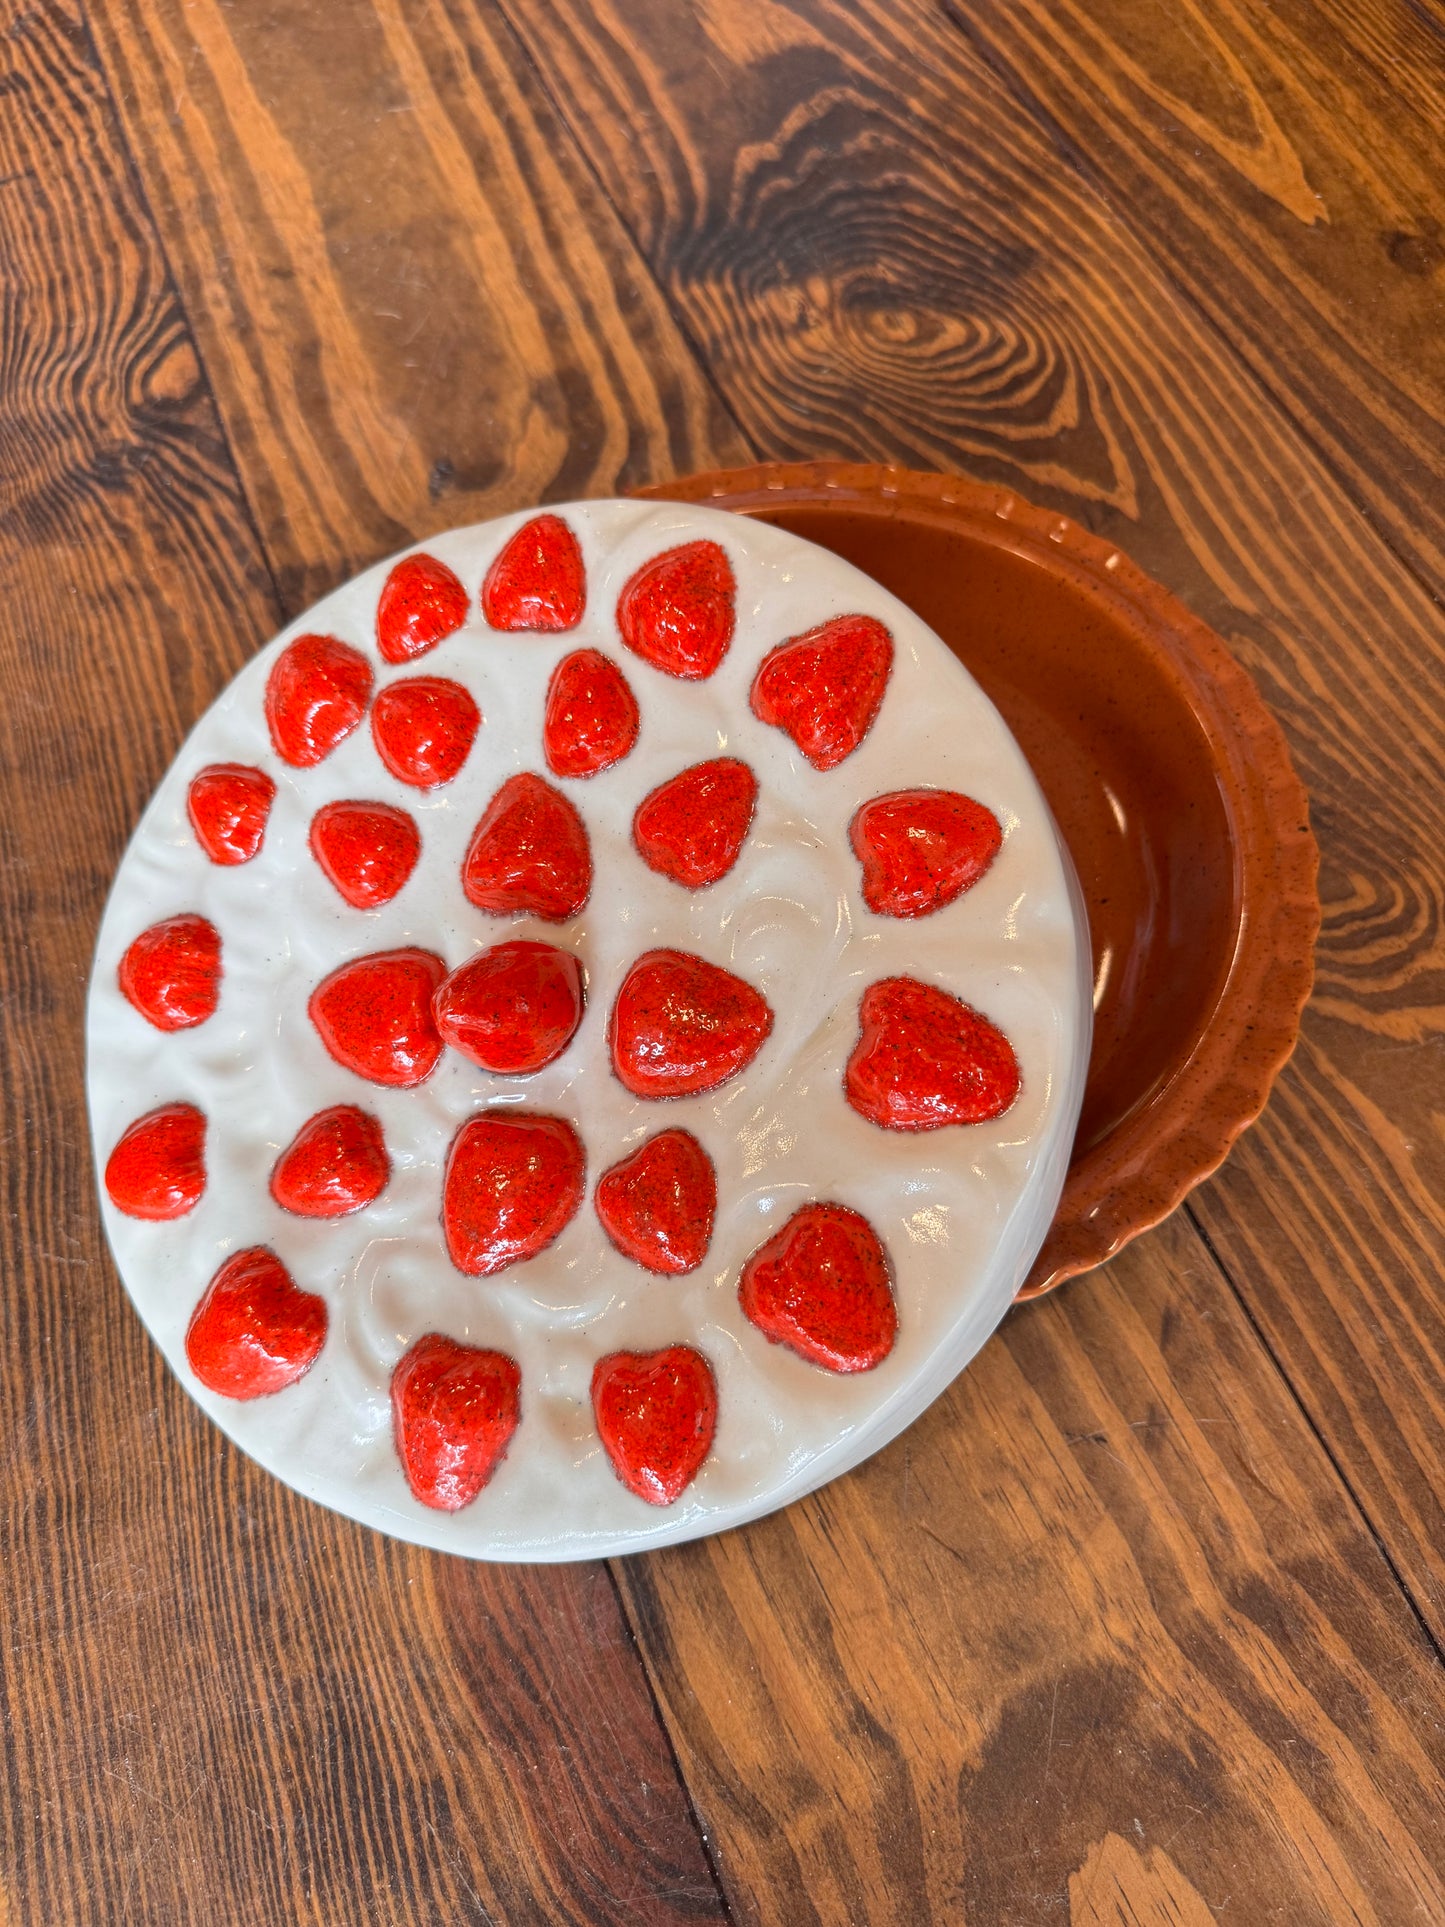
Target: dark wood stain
column 1141, row 1622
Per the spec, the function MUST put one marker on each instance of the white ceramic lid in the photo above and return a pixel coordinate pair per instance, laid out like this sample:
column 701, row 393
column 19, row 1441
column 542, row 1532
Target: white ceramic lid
column 961, row 1210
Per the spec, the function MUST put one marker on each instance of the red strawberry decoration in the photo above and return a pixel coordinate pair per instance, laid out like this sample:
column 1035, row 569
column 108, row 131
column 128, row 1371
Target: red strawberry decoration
column 538, row 581
column 657, row 1205
column 374, row 1016
column 592, row 718
column 920, row 849
column 228, row 805
column 656, row 1414
column 681, row 1025
column 421, row 604
column 255, row 1331
column 172, row 972
column 823, row 1286
column 316, row 694
column 529, row 852
column 454, row 1409
column 424, row 728
column 335, row 1164
column 678, row 611
column 513, row 1008
column 692, row 828
column 158, row 1167
column 513, row 1181
column 824, row 688
column 924, row 1060
column 368, row 850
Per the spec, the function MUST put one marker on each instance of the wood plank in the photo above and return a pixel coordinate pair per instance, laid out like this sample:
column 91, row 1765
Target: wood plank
column 414, row 307
column 1099, row 1633
column 885, row 259
column 219, row 1703
column 1282, row 159
column 877, row 257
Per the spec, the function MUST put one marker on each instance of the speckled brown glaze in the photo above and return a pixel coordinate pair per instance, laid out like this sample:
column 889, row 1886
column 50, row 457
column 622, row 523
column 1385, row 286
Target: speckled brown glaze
column 1169, row 779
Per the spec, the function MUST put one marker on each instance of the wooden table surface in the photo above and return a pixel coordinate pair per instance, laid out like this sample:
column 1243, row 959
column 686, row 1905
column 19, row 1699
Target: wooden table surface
column 1142, row 1622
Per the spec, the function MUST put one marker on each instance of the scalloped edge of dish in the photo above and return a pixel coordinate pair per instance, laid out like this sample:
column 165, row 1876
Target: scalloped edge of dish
column 1147, row 1165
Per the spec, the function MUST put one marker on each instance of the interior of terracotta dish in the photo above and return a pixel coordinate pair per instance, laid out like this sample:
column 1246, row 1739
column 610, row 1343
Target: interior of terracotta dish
column 1127, row 770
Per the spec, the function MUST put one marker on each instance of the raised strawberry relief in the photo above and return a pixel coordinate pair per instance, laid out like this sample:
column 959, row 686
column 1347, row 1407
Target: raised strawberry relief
column 335, row 1164
column 454, row 1409
column 513, row 1181
column 592, row 718
column 172, row 972
column 529, row 853
column 513, row 1008
column 822, row 1285
column 924, row 1060
column 921, row 849
column 424, row 728
column 693, row 827
column 157, row 1170
column 825, row 688
column 680, row 1025
column 316, row 694
column 366, row 850
column 678, row 611
column 656, row 1415
column 421, row 604
column 255, row 1331
column 657, row 1205
column 538, row 580
column 229, row 805
column 374, row 1016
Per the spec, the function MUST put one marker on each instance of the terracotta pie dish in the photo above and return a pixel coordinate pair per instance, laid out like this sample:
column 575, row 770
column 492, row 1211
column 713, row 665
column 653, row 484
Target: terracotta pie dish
column 1170, row 782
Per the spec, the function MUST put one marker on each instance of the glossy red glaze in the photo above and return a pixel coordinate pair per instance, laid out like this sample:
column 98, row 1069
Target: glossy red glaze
column 822, row 1285
column 921, row 849
column 657, row 1205
column 424, row 728
column 229, row 804
column 538, row 580
column 316, row 694
column 158, row 1167
column 454, row 1409
column 421, row 603
column 512, row 1009
column 335, row 1164
column 692, row 827
column 374, row 1016
column 255, row 1331
column 513, row 1181
column 681, row 1025
column 367, row 850
column 656, row 1413
column 172, row 972
column 592, row 717
column 924, row 1060
column 530, row 853
column 678, row 611
column 825, row 688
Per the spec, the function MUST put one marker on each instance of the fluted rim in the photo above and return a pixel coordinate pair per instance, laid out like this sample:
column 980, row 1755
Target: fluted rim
column 1149, row 1162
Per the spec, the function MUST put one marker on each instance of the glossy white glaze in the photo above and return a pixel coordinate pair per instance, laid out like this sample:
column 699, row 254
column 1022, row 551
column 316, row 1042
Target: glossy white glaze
column 962, row 1211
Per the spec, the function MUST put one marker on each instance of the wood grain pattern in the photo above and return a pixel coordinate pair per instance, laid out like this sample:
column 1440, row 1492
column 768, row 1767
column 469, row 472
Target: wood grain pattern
column 1104, row 1637
column 1098, row 1632
column 412, row 304
column 885, row 258
column 1282, row 160
column 219, row 1703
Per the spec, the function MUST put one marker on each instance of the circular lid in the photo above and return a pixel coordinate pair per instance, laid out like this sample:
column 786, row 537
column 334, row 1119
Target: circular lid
column 585, row 1041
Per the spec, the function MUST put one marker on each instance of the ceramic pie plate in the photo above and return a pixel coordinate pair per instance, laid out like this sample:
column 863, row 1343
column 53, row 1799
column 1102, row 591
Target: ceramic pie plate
column 960, row 1211
column 1172, row 786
